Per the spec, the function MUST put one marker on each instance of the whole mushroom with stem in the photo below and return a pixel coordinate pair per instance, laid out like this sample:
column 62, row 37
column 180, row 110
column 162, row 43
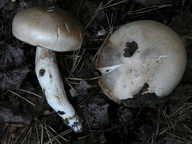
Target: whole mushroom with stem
column 52, row 30
column 141, row 57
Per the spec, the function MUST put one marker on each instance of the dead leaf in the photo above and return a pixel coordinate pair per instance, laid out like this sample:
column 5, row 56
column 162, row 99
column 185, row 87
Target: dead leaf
column 13, row 67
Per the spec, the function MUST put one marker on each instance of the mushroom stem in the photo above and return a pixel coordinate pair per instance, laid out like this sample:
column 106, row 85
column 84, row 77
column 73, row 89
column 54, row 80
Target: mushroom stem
column 47, row 72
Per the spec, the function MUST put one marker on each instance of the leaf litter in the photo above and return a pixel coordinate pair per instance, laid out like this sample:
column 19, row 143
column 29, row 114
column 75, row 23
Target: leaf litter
column 140, row 121
column 13, row 68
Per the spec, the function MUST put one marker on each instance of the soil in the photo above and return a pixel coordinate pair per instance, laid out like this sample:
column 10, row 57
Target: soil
column 25, row 116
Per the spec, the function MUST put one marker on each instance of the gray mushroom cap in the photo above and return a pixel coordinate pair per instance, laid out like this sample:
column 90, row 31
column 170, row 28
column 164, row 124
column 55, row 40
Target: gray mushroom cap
column 138, row 54
column 51, row 28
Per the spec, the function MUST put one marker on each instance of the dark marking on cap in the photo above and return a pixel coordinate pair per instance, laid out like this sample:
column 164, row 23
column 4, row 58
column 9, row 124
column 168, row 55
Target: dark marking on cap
column 142, row 90
column 130, row 49
column 61, row 112
column 41, row 72
column 142, row 99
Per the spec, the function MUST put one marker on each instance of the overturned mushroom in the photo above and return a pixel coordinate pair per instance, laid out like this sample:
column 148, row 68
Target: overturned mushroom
column 50, row 29
column 141, row 54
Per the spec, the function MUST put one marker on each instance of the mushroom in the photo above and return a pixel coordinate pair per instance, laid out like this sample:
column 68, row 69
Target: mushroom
column 50, row 29
column 141, row 57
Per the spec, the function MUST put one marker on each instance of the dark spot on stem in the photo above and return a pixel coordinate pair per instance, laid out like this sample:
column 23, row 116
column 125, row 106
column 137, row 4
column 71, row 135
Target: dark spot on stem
column 50, row 76
column 61, row 112
column 41, row 72
column 66, row 121
column 130, row 49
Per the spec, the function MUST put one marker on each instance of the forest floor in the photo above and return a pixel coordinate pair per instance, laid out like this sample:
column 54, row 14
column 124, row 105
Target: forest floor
column 25, row 116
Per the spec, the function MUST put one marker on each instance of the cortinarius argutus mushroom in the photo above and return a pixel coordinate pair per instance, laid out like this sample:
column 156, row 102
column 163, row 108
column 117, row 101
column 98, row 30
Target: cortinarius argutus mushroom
column 138, row 54
column 50, row 29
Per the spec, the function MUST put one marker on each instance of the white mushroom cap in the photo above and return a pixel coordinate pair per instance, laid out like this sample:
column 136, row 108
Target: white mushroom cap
column 147, row 53
column 51, row 28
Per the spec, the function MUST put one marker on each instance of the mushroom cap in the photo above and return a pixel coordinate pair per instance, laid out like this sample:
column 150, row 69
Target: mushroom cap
column 48, row 27
column 141, row 57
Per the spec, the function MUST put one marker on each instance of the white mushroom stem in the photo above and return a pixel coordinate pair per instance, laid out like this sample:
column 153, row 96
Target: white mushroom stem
column 47, row 72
